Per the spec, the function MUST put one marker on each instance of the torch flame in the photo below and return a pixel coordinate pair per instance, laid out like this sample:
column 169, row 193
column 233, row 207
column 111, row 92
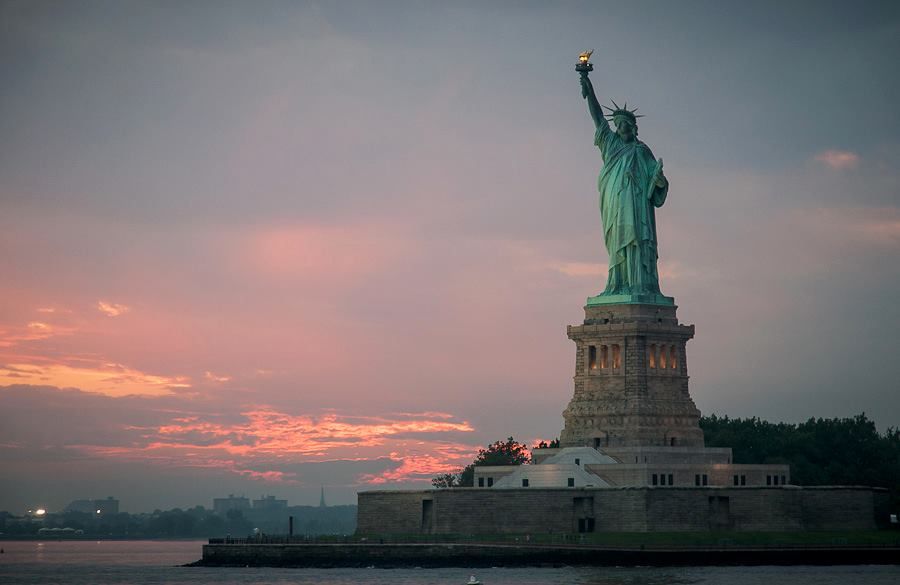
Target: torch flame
column 583, row 57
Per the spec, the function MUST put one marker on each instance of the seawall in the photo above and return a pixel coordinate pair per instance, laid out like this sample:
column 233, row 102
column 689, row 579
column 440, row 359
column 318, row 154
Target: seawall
column 521, row 555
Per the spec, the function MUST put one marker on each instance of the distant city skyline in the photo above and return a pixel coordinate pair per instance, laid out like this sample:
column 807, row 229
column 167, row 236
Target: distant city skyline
column 262, row 248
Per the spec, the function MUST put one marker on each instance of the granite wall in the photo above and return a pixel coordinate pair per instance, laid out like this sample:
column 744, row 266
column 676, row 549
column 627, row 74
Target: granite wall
column 627, row 509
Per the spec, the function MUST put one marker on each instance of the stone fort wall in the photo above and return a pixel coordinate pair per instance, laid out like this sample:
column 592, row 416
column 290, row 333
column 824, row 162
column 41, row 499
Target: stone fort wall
column 626, row 509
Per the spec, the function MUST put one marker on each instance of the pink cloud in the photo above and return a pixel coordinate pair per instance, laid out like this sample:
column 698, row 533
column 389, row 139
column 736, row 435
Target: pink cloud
column 112, row 309
column 268, row 445
column 417, row 466
column 32, row 331
column 267, row 431
column 840, row 160
column 218, row 378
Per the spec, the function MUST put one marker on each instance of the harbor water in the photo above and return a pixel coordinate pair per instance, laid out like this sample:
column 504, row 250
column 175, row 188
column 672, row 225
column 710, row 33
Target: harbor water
column 159, row 563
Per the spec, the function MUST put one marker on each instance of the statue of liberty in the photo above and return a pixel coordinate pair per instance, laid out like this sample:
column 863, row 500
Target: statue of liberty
column 632, row 186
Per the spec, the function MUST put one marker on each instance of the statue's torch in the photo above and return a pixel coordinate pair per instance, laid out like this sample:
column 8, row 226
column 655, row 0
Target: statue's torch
column 584, row 63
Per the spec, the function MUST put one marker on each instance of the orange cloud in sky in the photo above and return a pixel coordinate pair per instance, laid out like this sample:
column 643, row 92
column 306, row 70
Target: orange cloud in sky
column 112, row 309
column 268, row 431
column 419, row 466
column 268, row 442
column 109, row 379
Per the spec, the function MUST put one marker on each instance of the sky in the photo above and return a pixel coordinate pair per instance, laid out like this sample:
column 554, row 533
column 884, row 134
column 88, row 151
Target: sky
column 266, row 247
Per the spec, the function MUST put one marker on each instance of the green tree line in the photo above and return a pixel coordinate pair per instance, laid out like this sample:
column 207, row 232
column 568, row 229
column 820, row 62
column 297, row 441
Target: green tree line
column 820, row 451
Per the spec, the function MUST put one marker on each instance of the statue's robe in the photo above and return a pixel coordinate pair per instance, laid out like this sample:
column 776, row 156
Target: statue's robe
column 627, row 203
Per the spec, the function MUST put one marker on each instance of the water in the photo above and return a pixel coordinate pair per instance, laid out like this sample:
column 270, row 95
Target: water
column 157, row 563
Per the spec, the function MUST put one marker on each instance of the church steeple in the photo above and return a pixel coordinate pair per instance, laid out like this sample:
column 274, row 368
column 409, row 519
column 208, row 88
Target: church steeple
column 322, row 498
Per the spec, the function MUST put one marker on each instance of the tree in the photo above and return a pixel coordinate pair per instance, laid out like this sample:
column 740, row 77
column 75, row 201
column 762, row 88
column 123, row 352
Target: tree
column 445, row 480
column 554, row 444
column 836, row 451
column 508, row 452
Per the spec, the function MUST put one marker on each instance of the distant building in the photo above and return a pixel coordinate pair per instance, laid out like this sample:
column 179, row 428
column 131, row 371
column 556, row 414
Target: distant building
column 222, row 506
column 322, row 503
column 108, row 506
column 85, row 506
column 269, row 503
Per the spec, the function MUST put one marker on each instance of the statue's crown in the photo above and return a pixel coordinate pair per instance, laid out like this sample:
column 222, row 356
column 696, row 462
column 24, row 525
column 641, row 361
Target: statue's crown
column 624, row 112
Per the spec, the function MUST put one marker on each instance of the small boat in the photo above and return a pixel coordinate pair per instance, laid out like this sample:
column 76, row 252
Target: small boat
column 473, row 581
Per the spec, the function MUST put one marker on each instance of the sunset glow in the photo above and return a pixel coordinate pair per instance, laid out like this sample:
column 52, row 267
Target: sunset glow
column 269, row 250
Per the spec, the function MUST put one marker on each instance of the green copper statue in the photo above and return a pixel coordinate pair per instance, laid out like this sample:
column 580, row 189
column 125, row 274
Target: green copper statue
column 631, row 186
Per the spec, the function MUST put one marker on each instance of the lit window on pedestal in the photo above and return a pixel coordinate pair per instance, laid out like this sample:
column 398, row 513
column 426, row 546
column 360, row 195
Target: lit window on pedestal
column 616, row 357
column 652, row 355
column 662, row 357
column 592, row 357
column 604, row 357
column 673, row 359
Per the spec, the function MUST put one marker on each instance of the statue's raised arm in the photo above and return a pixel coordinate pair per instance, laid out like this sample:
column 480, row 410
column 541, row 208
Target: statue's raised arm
column 587, row 92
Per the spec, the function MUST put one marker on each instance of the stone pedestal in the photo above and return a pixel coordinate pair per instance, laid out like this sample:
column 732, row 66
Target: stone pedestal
column 631, row 381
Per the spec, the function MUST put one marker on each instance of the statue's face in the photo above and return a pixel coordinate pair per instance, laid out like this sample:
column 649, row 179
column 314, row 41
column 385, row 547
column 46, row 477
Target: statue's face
column 625, row 129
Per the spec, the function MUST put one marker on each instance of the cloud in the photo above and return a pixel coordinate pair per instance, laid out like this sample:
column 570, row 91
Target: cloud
column 266, row 431
column 840, row 160
column 109, row 379
column 32, row 331
column 420, row 466
column 259, row 444
column 112, row 309
column 216, row 378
